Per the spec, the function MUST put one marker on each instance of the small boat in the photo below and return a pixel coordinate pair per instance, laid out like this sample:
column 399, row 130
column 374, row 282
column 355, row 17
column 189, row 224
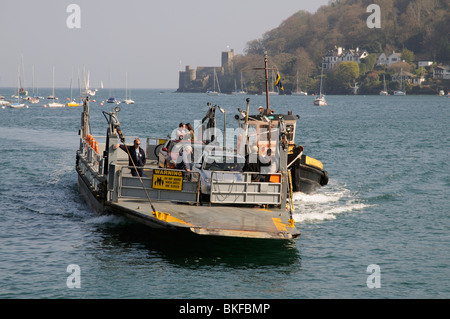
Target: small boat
column 5, row 103
column 54, row 104
column 320, row 99
column 111, row 100
column 128, row 99
column 441, row 93
column 384, row 92
column 299, row 92
column 72, row 102
column 34, row 100
column 401, row 91
column 214, row 91
column 18, row 105
column 241, row 91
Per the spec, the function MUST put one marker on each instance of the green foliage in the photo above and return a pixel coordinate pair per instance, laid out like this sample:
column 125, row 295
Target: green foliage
column 419, row 28
column 342, row 78
column 301, row 41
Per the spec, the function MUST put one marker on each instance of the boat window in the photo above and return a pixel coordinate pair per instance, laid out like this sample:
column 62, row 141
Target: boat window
column 224, row 163
column 290, row 132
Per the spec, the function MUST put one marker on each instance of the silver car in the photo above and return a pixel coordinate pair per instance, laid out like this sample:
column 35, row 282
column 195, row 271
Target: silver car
column 226, row 167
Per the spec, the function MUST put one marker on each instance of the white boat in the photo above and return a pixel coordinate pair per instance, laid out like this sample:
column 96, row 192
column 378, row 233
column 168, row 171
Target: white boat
column 18, row 105
column 402, row 91
column 34, row 99
column 128, row 99
column 384, row 92
column 241, row 91
column 320, row 100
column 441, row 93
column 297, row 92
column 214, row 91
column 54, row 104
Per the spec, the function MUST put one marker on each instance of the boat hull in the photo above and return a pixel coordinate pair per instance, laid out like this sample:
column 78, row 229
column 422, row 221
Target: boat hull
column 203, row 220
column 308, row 174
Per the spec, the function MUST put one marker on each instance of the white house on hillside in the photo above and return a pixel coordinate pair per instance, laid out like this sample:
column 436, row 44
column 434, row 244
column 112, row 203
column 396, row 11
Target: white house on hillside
column 387, row 60
column 442, row 72
column 334, row 57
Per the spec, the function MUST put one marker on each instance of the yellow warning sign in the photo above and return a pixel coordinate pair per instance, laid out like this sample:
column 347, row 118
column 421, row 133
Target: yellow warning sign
column 167, row 179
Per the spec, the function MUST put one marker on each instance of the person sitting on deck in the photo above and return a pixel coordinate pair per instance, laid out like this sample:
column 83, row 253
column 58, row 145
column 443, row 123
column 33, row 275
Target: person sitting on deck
column 184, row 159
column 136, row 156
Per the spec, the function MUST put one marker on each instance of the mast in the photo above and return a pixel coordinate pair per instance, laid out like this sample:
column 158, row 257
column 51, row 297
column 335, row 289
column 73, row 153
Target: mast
column 267, row 83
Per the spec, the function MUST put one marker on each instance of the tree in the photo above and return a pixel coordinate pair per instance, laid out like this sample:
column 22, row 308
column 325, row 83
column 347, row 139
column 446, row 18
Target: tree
column 407, row 55
column 344, row 76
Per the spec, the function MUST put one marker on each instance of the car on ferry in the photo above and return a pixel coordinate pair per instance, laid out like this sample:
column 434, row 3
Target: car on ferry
column 226, row 166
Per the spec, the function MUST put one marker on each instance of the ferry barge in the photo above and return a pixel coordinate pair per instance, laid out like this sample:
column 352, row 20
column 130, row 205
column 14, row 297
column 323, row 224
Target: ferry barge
column 236, row 204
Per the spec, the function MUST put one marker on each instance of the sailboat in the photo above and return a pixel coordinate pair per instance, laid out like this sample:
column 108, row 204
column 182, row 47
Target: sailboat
column 400, row 92
column 320, row 100
column 272, row 90
column 241, row 91
column 128, row 99
column 384, row 91
column 33, row 99
column 54, row 104
column 111, row 99
column 88, row 91
column 216, row 80
column 72, row 102
column 297, row 92
column 18, row 104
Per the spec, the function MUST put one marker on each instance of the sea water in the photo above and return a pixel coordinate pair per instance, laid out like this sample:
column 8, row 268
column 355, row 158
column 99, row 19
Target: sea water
column 386, row 206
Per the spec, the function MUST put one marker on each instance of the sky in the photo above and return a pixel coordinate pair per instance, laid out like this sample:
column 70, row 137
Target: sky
column 148, row 42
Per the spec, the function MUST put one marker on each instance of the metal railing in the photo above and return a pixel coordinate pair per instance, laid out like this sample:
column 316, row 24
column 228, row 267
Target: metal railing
column 245, row 188
column 131, row 187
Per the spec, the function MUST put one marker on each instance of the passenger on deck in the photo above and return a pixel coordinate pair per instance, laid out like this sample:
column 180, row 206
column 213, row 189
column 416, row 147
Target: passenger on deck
column 181, row 131
column 184, row 159
column 136, row 155
column 191, row 133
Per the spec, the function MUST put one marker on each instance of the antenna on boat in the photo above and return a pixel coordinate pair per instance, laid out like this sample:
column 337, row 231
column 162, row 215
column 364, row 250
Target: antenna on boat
column 267, row 83
column 266, row 74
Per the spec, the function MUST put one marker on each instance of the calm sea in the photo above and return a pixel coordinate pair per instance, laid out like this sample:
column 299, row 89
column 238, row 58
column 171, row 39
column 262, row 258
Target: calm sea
column 379, row 229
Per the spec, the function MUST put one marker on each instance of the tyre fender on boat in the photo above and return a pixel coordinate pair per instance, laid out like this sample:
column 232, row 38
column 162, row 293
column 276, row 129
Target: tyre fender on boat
column 324, row 178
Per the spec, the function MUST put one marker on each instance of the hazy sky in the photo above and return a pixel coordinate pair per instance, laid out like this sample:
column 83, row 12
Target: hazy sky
column 150, row 40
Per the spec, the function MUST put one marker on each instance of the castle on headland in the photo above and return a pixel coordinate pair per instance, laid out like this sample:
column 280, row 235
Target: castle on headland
column 202, row 79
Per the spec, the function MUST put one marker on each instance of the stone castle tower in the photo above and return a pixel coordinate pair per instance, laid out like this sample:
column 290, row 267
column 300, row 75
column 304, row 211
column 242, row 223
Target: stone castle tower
column 194, row 80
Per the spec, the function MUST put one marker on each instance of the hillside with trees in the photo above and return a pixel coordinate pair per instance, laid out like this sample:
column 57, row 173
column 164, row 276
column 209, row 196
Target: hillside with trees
column 418, row 29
